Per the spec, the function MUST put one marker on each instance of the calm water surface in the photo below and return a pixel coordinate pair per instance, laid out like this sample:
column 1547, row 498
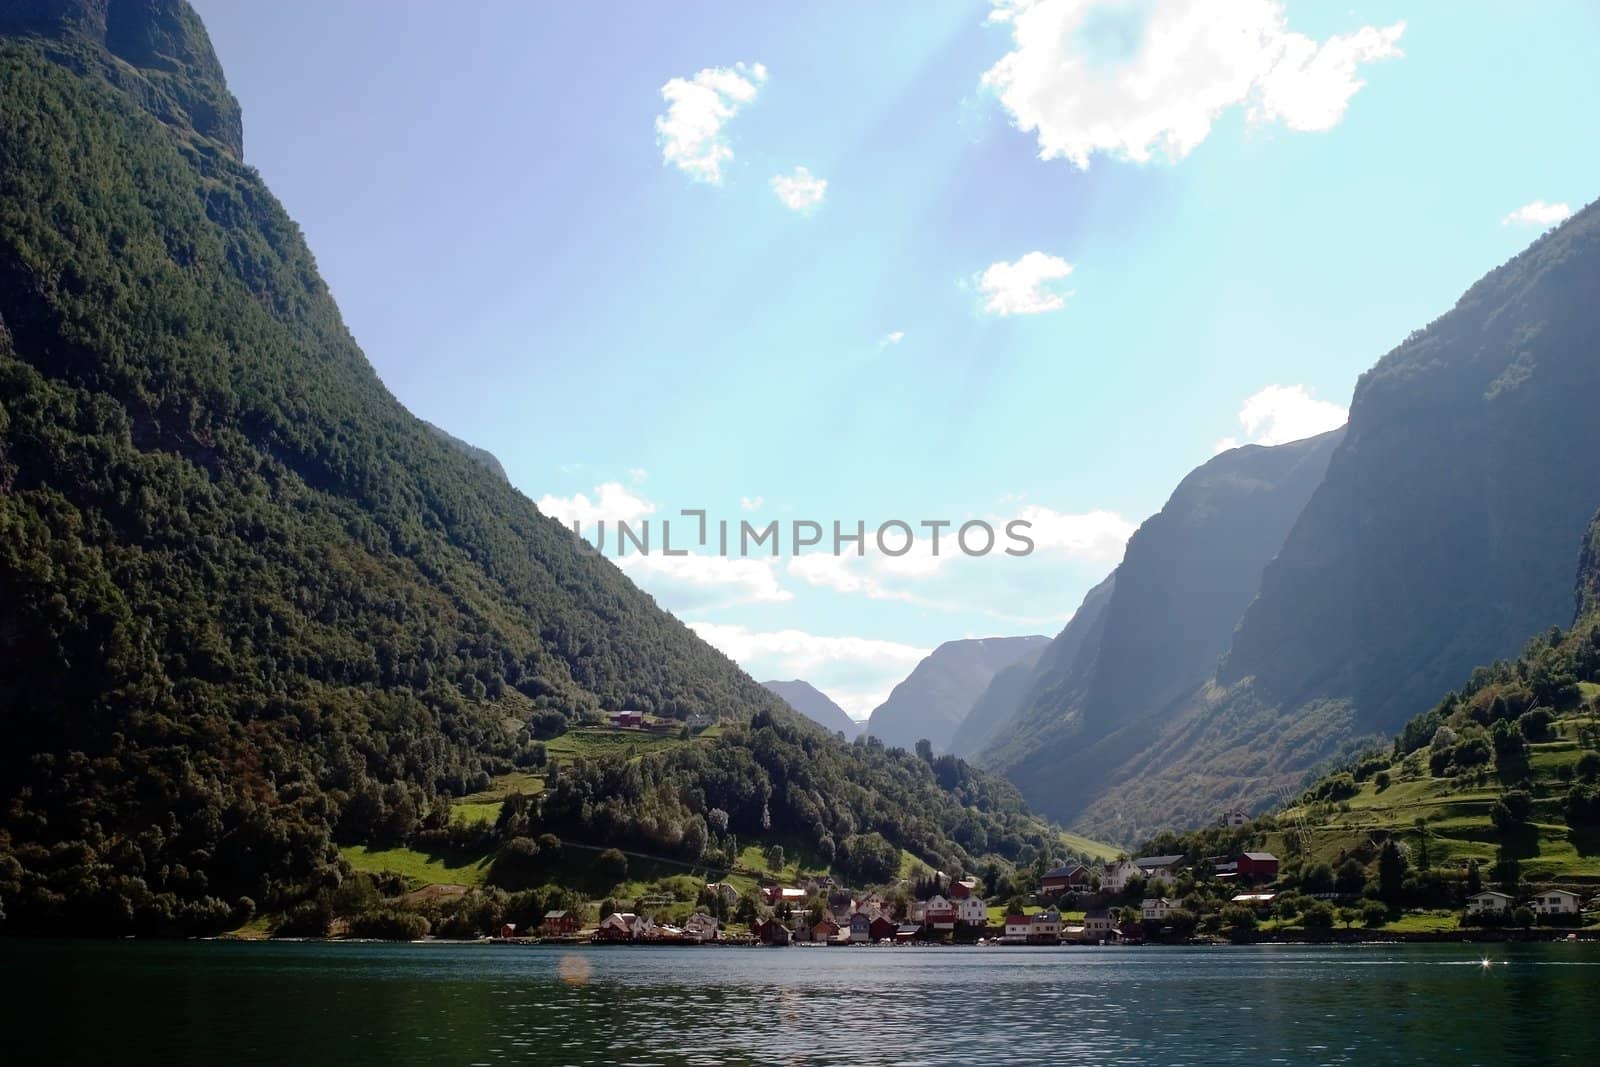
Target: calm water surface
column 226, row 1003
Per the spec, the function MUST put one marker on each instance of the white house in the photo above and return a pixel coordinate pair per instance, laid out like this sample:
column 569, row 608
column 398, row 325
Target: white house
column 702, row 926
column 1489, row 902
column 1099, row 925
column 972, row 911
column 1045, row 927
column 1155, row 870
column 1116, row 877
column 1234, row 817
column 1018, row 927
column 938, row 913
column 1556, row 902
column 1156, row 909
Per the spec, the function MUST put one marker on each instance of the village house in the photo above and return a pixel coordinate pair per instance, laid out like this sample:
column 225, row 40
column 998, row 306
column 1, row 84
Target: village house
column 560, row 923
column 702, row 926
column 906, row 932
column 1017, row 927
column 1489, row 902
column 1156, row 909
column 1155, row 870
column 624, row 926
column 882, row 928
column 802, row 928
column 1060, row 879
column 1099, row 925
column 772, row 932
column 1257, row 866
column 1259, row 901
column 1555, row 902
column 972, row 911
column 508, row 931
column 939, row 915
column 1234, row 817
column 726, row 892
column 778, row 894
column 824, row 929
column 1045, row 927
column 626, row 719
column 963, row 889
column 915, row 910
column 860, row 927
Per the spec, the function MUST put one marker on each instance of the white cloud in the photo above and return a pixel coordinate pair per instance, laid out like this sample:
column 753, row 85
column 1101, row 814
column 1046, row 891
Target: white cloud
column 857, row 672
column 799, row 190
column 690, row 132
column 893, row 337
column 751, row 503
column 1129, row 80
column 638, row 474
column 612, row 502
column 1538, row 213
column 1282, row 413
column 696, row 582
column 1023, row 287
column 1096, row 536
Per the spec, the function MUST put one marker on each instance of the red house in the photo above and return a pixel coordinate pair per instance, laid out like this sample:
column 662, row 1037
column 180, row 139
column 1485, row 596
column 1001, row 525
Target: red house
column 621, row 719
column 1258, row 866
column 963, row 889
column 561, row 922
column 1060, row 879
column 882, row 929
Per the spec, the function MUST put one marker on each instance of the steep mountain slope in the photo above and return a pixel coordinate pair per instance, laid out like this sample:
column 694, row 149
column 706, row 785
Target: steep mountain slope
column 1185, row 579
column 1503, row 773
column 940, row 690
column 1441, row 538
column 250, row 606
column 815, row 705
column 482, row 457
column 995, row 707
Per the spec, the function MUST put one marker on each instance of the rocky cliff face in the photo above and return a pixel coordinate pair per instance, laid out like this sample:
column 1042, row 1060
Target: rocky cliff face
column 156, row 51
column 1186, row 578
column 815, row 705
column 1439, row 540
column 939, row 692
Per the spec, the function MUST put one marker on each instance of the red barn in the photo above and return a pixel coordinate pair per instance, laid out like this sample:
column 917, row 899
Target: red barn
column 1258, row 866
column 1058, row 879
column 882, row 929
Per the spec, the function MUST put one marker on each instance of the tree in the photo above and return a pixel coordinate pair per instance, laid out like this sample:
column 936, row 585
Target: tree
column 1317, row 916
column 1352, row 878
column 1239, row 922
column 1474, row 878
column 775, row 858
column 1391, row 872
column 1318, row 878
column 1523, row 917
column 1373, row 913
column 611, row 865
column 1349, row 916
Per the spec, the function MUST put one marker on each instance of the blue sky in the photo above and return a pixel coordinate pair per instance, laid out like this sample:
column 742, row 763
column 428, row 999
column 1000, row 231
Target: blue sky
column 1064, row 251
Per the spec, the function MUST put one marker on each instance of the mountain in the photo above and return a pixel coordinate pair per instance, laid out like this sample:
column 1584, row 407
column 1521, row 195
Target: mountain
column 998, row 702
column 1440, row 538
column 478, row 455
column 1152, row 633
column 253, row 610
column 814, row 704
column 1502, row 772
column 940, row 690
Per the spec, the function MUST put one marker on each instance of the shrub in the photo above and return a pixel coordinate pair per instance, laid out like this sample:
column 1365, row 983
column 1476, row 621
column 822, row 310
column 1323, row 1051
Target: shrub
column 1317, row 916
column 389, row 924
column 1373, row 913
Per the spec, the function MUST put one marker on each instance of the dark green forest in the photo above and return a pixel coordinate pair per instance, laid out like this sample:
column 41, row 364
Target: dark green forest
column 250, row 607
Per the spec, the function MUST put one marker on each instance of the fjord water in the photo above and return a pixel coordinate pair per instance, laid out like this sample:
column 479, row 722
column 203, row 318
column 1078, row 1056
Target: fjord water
column 317, row 1003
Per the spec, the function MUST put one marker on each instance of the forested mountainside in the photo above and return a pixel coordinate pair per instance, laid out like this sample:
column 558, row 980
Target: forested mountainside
column 937, row 694
column 1440, row 539
column 815, row 705
column 250, row 606
column 482, row 457
column 1186, row 578
column 1502, row 775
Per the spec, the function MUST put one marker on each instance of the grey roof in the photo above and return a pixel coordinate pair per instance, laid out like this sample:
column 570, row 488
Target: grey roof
column 1064, row 870
column 1156, row 861
column 1260, row 856
column 555, row 914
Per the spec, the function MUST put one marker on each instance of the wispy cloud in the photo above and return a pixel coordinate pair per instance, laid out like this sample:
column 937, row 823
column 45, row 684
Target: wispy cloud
column 799, row 190
column 1538, row 213
column 1026, row 287
column 1132, row 80
column 690, row 131
column 1282, row 413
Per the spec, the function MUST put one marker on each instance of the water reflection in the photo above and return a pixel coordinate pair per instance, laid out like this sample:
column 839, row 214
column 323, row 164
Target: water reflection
column 351, row 1004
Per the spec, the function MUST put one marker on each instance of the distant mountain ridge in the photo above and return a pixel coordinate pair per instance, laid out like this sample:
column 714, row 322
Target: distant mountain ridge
column 1155, row 630
column 815, row 705
column 939, row 692
column 1440, row 539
